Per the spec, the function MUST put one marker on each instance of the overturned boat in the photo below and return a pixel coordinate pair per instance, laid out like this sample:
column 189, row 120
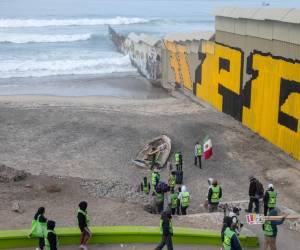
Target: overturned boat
column 161, row 146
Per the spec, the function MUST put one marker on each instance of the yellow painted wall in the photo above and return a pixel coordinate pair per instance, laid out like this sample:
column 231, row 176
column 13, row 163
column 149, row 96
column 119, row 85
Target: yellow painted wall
column 178, row 62
column 262, row 115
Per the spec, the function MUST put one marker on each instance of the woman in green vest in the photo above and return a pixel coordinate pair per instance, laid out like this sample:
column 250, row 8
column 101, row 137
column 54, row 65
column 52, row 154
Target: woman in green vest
column 83, row 223
column 39, row 227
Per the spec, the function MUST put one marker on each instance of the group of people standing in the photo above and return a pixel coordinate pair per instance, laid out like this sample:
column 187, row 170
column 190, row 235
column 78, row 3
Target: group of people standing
column 44, row 229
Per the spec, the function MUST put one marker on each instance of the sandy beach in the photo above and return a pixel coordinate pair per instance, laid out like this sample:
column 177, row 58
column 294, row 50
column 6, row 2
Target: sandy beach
column 82, row 148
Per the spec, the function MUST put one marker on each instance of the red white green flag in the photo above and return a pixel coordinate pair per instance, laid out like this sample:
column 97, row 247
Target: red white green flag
column 207, row 148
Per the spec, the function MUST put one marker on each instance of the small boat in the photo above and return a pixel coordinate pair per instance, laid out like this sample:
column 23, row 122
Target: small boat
column 162, row 147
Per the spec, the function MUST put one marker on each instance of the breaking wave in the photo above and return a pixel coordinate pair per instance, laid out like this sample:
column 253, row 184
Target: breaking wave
column 21, row 23
column 35, row 68
column 37, row 38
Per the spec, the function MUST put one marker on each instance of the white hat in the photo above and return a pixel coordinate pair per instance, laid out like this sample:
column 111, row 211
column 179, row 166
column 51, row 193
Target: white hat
column 270, row 185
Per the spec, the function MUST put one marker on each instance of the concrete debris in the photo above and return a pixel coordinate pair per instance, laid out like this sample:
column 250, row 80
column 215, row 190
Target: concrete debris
column 8, row 174
column 16, row 207
column 114, row 188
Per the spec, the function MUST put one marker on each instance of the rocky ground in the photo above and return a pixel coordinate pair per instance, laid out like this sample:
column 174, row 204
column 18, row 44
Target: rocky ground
column 81, row 148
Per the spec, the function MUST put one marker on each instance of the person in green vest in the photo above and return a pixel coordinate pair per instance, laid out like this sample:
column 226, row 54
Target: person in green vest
column 198, row 154
column 231, row 241
column 145, row 186
column 178, row 161
column 270, row 230
column 214, row 196
column 159, row 201
column 270, row 199
column 172, row 180
column 83, row 224
column 184, row 198
column 51, row 241
column 39, row 227
column 153, row 156
column 166, row 229
column 173, row 201
column 155, row 178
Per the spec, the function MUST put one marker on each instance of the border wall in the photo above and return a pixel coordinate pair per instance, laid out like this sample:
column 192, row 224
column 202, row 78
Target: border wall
column 249, row 69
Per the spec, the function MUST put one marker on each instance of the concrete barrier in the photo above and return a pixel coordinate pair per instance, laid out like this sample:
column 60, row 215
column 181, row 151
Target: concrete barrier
column 122, row 234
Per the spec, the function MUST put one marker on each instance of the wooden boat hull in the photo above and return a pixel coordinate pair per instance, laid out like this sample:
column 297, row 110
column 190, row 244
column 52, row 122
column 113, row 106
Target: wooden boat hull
column 163, row 146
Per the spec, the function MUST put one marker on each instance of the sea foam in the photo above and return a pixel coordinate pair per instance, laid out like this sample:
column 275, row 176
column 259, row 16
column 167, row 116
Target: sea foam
column 21, row 23
column 37, row 68
column 40, row 38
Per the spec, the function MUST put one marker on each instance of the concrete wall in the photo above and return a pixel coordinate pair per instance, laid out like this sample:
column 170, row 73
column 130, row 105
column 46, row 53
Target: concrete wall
column 144, row 56
column 255, row 80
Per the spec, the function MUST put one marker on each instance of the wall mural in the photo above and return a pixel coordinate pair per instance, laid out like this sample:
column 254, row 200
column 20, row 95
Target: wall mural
column 269, row 103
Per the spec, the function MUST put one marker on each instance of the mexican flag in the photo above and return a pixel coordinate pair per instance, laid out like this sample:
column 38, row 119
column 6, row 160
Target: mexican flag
column 207, row 148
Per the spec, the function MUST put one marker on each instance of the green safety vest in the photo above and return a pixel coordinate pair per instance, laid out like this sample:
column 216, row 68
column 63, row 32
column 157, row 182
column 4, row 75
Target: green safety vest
column 85, row 215
column 47, row 244
column 272, row 199
column 199, row 150
column 185, row 199
column 174, row 200
column 268, row 229
column 172, row 181
column 170, row 226
column 228, row 233
column 215, row 194
column 146, row 188
column 159, row 197
column 155, row 178
column 38, row 228
column 177, row 158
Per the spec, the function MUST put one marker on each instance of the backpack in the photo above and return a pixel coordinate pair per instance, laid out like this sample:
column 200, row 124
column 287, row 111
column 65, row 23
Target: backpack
column 161, row 187
column 259, row 189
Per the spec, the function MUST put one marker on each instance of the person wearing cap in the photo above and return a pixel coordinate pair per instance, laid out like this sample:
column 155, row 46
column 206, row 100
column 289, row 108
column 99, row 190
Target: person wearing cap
column 252, row 195
column 214, row 196
column 270, row 230
column 230, row 240
column 51, row 240
column 233, row 217
column 166, row 230
column 270, row 199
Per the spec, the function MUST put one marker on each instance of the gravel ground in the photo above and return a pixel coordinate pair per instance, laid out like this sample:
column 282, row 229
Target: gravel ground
column 85, row 146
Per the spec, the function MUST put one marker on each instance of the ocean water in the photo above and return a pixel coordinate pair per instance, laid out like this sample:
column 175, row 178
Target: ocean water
column 44, row 38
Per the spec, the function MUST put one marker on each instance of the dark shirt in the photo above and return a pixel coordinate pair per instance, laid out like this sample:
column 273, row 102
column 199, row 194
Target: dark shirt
column 82, row 223
column 41, row 217
column 166, row 226
column 252, row 187
column 52, row 241
column 235, row 243
column 210, row 194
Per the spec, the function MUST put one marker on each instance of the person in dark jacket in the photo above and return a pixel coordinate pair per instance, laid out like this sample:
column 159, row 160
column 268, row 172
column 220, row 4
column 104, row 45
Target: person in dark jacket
column 270, row 230
column 231, row 241
column 166, row 229
column 51, row 241
column 253, row 195
column 83, row 223
column 40, row 218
